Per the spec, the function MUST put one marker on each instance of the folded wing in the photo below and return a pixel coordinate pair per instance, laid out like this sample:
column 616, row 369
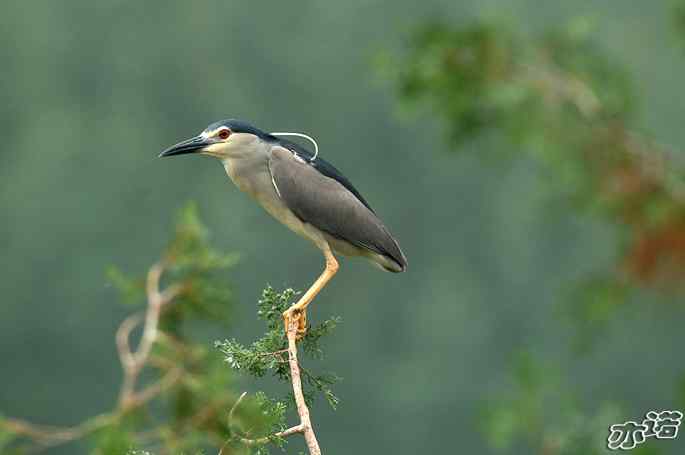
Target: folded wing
column 330, row 206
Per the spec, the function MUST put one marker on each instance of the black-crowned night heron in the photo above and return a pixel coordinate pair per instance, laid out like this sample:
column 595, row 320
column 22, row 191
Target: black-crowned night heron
column 302, row 191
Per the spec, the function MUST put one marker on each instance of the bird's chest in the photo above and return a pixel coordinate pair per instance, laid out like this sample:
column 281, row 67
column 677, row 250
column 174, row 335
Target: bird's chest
column 250, row 176
column 254, row 178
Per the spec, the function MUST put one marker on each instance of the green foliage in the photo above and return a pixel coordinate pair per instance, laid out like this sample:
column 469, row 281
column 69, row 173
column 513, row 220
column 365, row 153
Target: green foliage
column 462, row 73
column 537, row 93
column 484, row 75
column 590, row 306
column 542, row 412
column 113, row 440
column 273, row 416
column 6, row 437
column 198, row 408
column 269, row 354
column 194, row 410
column 132, row 290
column 194, row 263
column 560, row 99
column 260, row 417
column 190, row 250
column 557, row 97
column 679, row 19
column 187, row 413
column 312, row 341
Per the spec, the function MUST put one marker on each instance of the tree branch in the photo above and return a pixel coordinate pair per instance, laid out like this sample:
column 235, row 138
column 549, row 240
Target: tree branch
column 305, row 426
column 132, row 363
column 302, row 409
column 122, row 336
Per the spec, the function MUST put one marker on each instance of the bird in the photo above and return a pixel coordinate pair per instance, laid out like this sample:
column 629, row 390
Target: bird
column 302, row 191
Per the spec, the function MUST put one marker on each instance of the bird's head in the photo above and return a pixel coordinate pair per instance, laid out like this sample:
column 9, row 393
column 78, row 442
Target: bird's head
column 223, row 139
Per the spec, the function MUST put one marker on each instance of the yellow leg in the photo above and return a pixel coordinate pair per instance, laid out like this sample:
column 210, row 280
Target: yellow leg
column 298, row 311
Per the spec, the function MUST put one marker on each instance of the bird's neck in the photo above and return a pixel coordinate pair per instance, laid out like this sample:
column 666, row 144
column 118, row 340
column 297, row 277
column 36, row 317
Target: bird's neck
column 248, row 168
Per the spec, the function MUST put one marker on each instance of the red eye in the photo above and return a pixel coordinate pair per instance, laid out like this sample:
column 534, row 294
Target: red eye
column 223, row 134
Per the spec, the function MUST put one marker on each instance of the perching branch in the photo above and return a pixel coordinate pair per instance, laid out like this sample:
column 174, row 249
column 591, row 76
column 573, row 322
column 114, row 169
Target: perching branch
column 302, row 409
column 305, row 426
column 193, row 381
column 267, row 354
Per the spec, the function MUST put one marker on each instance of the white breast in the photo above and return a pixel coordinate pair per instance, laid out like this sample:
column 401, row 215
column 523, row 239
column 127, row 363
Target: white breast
column 251, row 175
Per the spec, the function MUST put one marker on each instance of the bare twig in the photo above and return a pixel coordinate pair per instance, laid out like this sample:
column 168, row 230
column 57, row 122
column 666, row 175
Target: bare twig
column 132, row 363
column 234, row 407
column 281, row 434
column 48, row 436
column 122, row 336
column 258, row 441
column 302, row 409
column 557, row 86
column 656, row 161
column 148, row 393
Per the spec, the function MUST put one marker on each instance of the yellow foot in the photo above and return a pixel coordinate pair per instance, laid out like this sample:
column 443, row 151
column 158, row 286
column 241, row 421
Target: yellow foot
column 298, row 316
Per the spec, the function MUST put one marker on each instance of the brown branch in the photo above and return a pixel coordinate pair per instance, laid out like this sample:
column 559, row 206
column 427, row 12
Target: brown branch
column 132, row 363
column 305, row 426
column 122, row 336
column 302, row 409
column 557, row 86
column 148, row 393
column 656, row 161
column 48, row 436
column 258, row 441
column 266, row 439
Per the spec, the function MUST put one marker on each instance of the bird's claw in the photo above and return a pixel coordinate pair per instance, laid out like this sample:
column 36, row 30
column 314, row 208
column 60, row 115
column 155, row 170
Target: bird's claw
column 300, row 317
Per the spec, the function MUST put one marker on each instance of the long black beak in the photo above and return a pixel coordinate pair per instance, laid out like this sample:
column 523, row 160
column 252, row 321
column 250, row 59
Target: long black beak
column 192, row 145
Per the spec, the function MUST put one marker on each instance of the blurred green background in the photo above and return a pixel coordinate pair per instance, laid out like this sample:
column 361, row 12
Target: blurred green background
column 433, row 360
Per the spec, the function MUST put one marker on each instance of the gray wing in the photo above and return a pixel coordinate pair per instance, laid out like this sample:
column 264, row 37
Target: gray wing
column 329, row 206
